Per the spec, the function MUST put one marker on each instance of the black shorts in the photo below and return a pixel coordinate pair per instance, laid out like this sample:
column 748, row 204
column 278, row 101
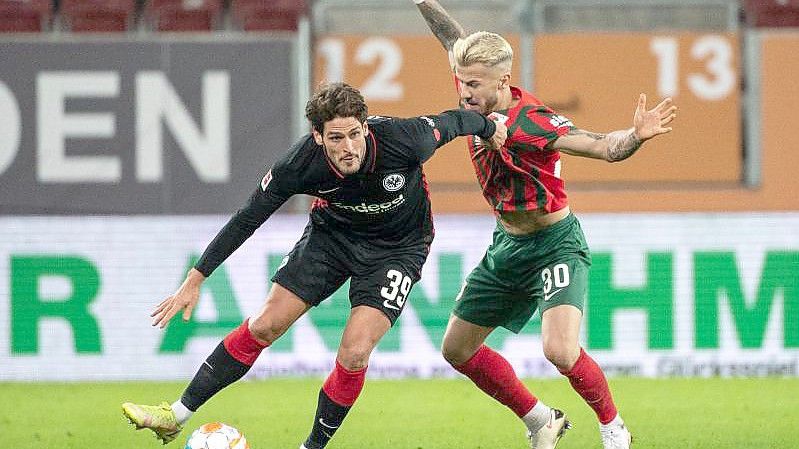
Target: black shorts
column 323, row 259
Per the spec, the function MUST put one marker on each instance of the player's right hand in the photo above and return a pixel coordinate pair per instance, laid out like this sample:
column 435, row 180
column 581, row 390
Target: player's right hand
column 184, row 299
column 500, row 135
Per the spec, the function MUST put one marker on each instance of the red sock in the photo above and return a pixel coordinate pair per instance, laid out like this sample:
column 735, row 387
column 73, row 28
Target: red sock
column 495, row 376
column 242, row 345
column 344, row 386
column 589, row 381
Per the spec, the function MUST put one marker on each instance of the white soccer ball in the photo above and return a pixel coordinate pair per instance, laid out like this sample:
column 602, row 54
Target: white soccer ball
column 217, row 435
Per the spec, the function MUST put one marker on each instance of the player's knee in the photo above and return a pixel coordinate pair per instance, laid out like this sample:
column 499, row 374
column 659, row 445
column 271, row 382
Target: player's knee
column 561, row 355
column 265, row 330
column 354, row 356
column 455, row 355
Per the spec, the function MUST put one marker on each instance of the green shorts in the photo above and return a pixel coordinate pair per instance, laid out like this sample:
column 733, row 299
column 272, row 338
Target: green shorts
column 520, row 274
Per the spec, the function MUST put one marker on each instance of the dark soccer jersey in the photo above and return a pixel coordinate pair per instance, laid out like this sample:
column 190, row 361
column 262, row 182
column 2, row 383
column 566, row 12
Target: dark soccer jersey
column 524, row 174
column 386, row 201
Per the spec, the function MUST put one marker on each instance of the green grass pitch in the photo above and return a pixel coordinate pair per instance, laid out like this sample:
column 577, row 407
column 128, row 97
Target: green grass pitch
column 412, row 414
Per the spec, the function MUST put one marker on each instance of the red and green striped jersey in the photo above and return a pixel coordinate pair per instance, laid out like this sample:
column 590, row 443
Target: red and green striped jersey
column 524, row 174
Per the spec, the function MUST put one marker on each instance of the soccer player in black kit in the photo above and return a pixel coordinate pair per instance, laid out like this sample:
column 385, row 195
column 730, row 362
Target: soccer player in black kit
column 371, row 223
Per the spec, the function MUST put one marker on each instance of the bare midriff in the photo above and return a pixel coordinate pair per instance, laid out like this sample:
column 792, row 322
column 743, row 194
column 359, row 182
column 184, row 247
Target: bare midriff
column 530, row 221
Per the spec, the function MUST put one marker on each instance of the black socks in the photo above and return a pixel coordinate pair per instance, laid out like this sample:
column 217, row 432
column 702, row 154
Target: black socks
column 218, row 371
column 329, row 417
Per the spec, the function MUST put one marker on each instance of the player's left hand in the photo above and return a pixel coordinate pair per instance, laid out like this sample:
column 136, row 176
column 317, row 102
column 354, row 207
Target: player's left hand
column 500, row 134
column 183, row 300
column 651, row 123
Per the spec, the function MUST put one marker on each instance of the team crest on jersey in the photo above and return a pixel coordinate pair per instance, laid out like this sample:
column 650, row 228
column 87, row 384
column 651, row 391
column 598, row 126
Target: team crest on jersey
column 393, row 182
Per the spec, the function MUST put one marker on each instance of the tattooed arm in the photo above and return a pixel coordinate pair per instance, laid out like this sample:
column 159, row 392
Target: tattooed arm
column 443, row 26
column 619, row 145
column 612, row 147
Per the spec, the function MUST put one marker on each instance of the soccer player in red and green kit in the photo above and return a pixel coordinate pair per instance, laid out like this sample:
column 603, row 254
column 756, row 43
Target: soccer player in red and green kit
column 539, row 258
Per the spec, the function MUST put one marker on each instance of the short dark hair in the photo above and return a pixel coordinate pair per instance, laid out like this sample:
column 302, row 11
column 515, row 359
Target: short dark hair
column 335, row 100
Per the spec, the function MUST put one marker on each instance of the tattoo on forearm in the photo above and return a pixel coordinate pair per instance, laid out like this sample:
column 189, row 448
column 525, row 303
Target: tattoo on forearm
column 582, row 132
column 443, row 26
column 622, row 144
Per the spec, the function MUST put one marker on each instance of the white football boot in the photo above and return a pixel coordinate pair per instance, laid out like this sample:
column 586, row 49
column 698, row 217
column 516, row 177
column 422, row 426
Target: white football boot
column 549, row 435
column 615, row 435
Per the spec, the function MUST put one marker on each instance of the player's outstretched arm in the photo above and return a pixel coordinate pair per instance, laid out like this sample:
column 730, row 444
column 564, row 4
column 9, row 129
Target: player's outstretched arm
column 619, row 145
column 423, row 135
column 446, row 29
column 184, row 299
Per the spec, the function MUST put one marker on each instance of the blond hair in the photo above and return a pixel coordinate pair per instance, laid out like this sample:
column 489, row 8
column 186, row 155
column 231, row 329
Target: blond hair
column 483, row 47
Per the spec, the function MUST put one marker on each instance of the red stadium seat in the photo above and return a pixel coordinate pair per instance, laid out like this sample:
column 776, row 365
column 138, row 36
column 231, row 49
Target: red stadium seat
column 268, row 15
column 183, row 15
column 92, row 16
column 772, row 13
column 25, row 15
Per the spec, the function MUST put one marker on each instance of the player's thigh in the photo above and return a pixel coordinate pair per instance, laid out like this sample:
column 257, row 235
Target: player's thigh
column 280, row 310
column 561, row 288
column 316, row 267
column 462, row 339
column 365, row 327
column 385, row 281
column 556, row 270
column 488, row 298
column 560, row 333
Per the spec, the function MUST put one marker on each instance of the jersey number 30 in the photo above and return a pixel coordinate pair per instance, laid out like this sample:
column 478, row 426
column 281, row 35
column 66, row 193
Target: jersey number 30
column 559, row 276
column 397, row 291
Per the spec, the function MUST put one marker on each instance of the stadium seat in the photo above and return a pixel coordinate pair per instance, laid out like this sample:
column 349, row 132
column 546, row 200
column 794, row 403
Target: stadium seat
column 91, row 16
column 25, row 15
column 268, row 15
column 183, row 15
column 772, row 13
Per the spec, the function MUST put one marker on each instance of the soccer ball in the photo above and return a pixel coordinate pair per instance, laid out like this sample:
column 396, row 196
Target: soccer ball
column 216, row 435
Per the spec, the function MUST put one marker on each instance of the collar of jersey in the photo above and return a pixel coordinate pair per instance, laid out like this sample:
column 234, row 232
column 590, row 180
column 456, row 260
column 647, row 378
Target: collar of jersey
column 525, row 99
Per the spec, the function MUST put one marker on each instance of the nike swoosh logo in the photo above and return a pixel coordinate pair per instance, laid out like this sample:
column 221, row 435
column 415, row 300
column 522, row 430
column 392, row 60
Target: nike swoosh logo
column 389, row 305
column 547, row 297
column 329, row 190
column 322, row 422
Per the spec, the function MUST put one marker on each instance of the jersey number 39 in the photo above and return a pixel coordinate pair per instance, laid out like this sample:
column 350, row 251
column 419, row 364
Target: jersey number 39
column 397, row 291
